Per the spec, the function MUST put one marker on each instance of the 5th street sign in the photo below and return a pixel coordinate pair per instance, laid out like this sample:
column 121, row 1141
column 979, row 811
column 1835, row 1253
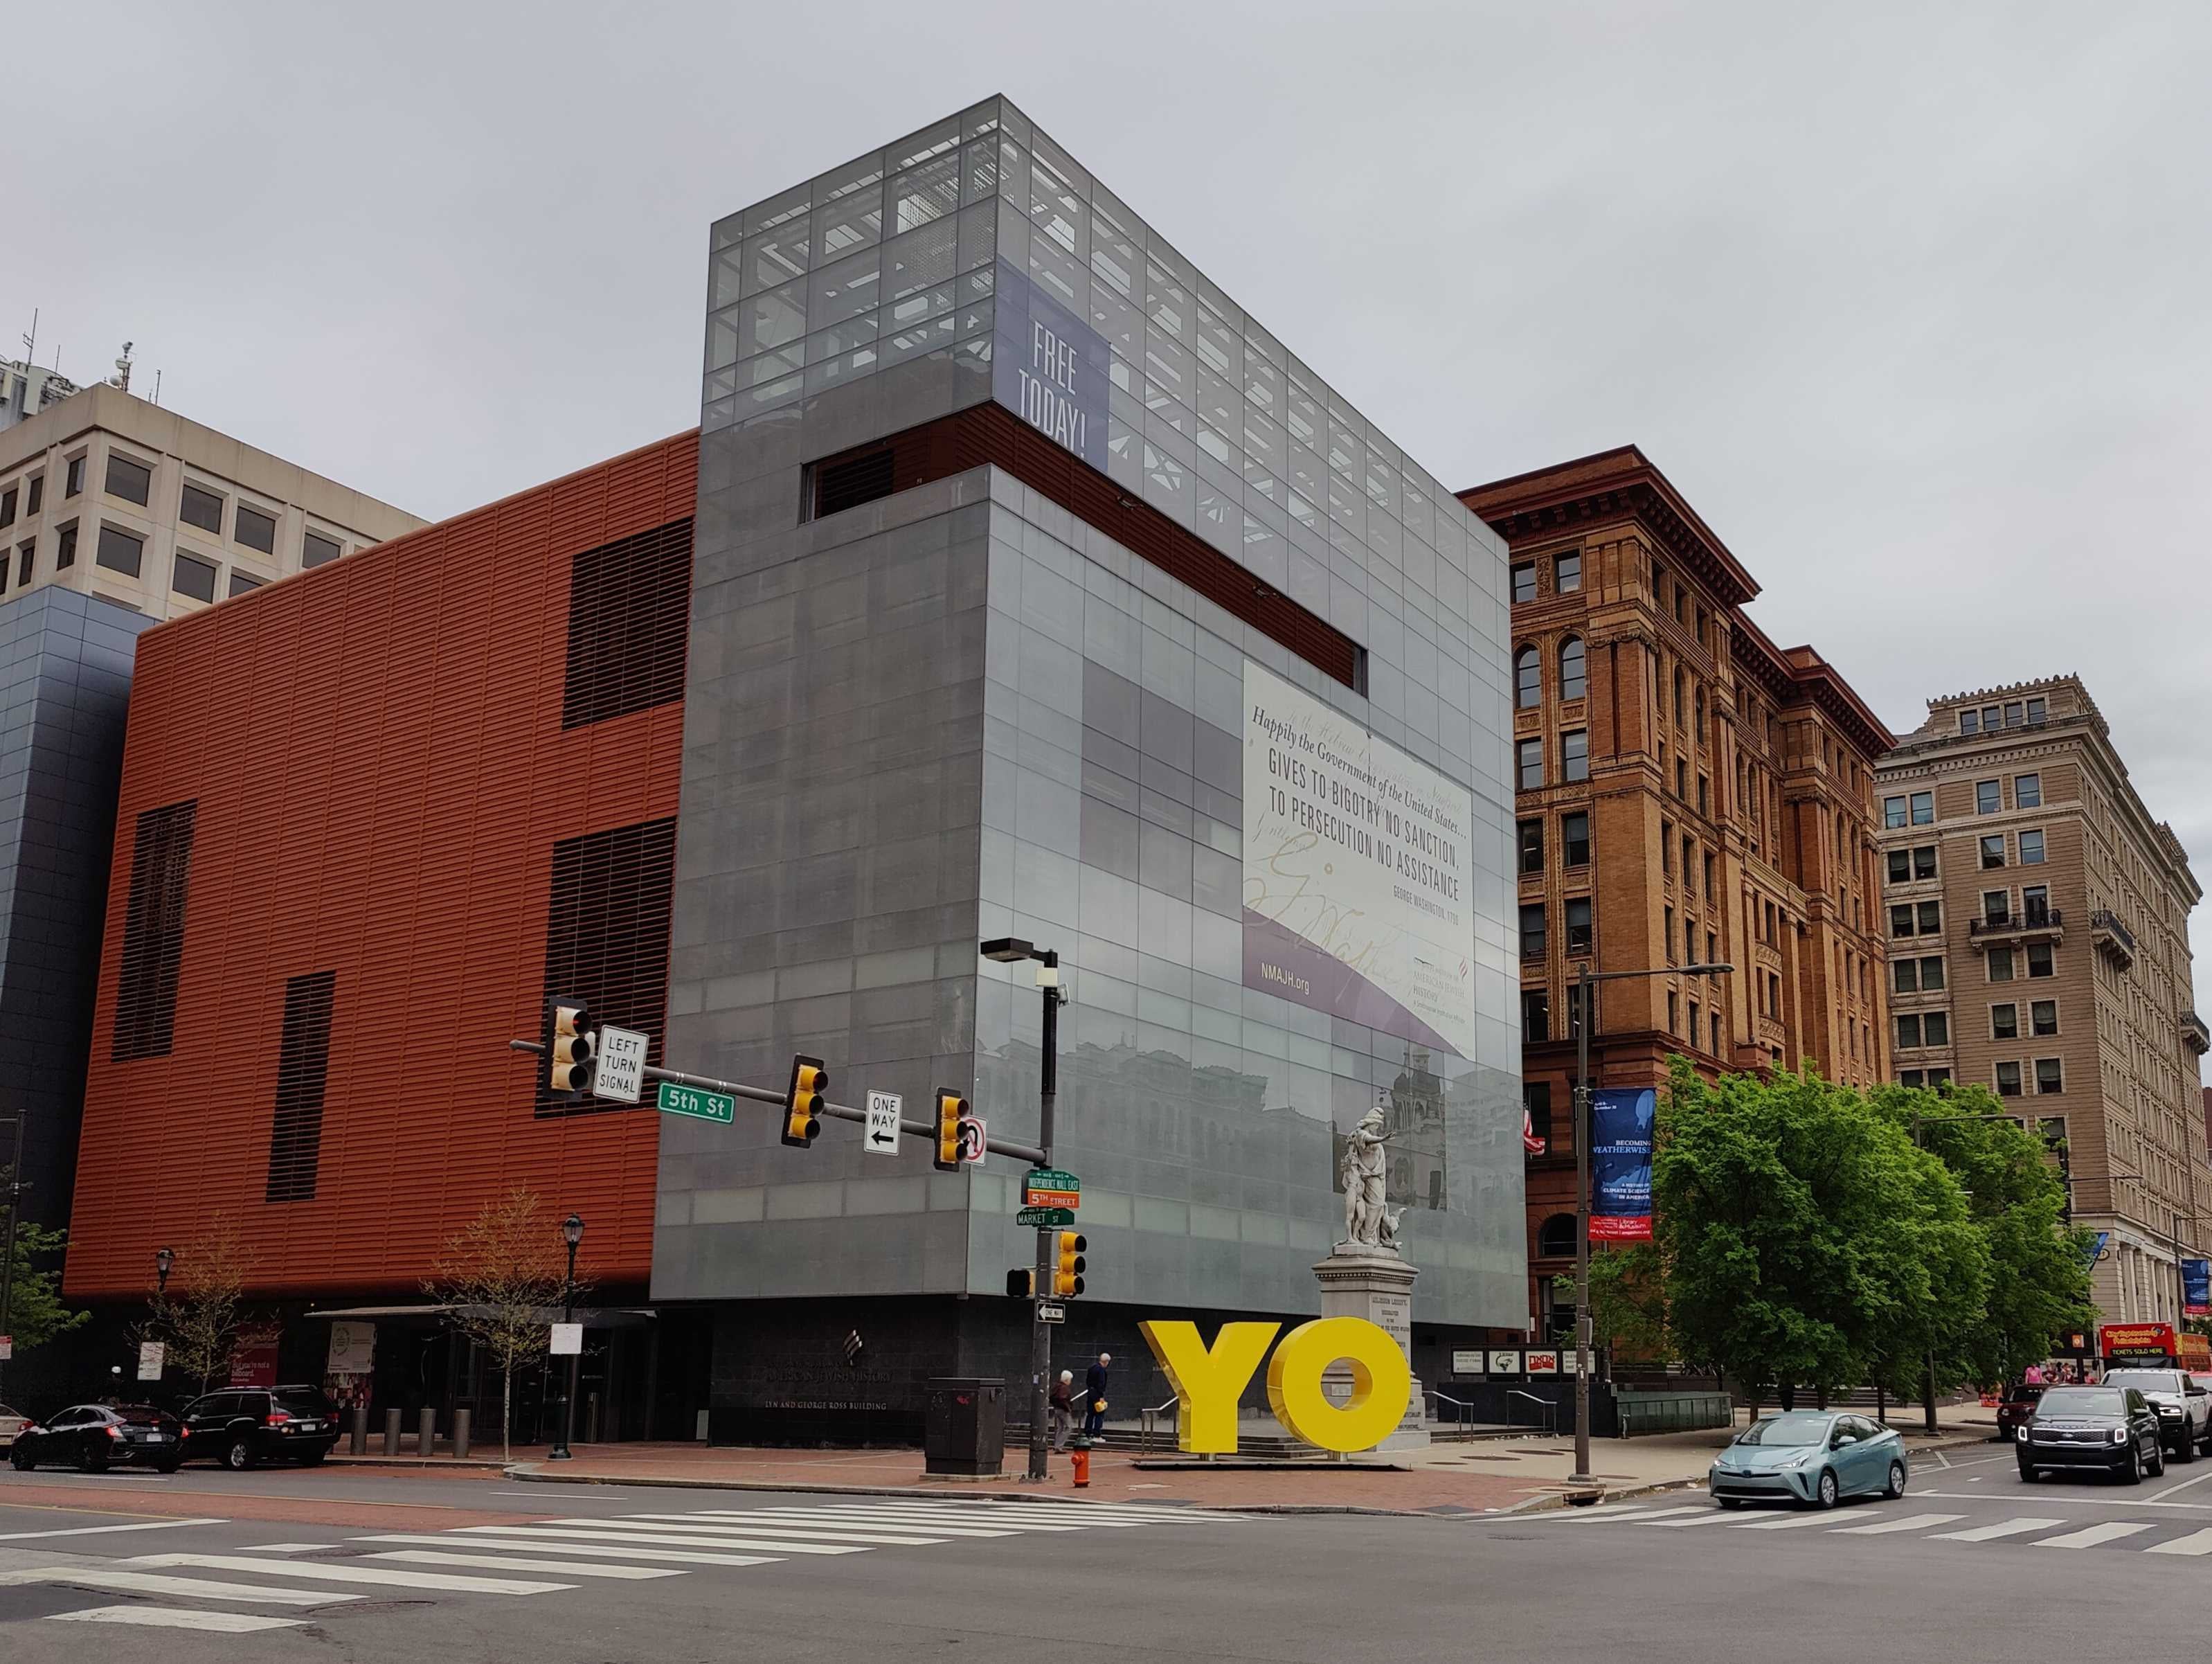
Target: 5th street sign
column 1049, row 1187
column 676, row 1100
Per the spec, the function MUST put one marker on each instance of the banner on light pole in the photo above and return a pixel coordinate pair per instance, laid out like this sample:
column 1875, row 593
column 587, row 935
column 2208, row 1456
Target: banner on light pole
column 1621, row 1119
column 2197, row 1288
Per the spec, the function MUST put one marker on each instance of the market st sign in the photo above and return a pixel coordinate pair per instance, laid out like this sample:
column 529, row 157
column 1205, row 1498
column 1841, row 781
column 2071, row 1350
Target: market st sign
column 1209, row 1381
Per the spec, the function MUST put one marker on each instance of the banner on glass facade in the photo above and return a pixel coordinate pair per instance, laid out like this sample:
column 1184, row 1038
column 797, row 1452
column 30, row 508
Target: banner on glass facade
column 1621, row 1119
column 1355, row 872
column 1050, row 367
column 2197, row 1288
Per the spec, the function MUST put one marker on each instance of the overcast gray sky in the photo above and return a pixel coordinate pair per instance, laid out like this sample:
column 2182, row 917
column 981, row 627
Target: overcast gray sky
column 1914, row 303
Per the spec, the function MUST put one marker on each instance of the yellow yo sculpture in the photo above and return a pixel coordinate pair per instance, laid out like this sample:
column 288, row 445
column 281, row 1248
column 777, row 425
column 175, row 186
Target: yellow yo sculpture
column 1208, row 1382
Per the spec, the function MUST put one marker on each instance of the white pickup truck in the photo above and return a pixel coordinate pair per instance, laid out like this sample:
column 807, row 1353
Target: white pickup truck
column 2184, row 1409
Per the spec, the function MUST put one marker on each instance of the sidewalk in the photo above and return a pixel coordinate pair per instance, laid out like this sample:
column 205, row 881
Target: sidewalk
column 1446, row 1479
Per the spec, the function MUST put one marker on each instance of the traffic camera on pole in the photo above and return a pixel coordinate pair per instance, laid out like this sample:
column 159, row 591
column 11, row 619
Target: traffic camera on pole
column 951, row 1110
column 802, row 1102
column 1067, row 1262
column 568, row 1048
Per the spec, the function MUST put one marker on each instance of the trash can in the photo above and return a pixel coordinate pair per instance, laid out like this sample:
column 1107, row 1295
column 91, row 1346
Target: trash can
column 964, row 1426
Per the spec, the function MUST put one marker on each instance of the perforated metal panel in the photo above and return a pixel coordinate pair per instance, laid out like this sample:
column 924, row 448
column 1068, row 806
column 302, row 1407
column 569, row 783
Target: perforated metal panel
column 606, row 935
column 628, row 602
column 154, row 932
column 303, row 1065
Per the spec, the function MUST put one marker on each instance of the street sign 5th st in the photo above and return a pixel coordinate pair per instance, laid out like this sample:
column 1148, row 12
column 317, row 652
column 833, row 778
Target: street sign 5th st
column 676, row 1100
column 1051, row 1187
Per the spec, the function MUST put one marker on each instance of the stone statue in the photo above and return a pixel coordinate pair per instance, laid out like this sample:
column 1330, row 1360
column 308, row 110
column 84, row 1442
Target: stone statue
column 1367, row 1222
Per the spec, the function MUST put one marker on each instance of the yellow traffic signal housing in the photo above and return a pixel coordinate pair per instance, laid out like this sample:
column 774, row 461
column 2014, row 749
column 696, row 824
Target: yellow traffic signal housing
column 568, row 1048
column 1067, row 1262
column 802, row 1103
column 951, row 1107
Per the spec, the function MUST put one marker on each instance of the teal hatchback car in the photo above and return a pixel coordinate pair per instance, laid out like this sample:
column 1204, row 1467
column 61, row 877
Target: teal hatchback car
column 1815, row 1456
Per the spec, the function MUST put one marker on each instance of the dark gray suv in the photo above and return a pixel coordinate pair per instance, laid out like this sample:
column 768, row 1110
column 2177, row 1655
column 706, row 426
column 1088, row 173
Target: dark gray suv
column 242, row 1427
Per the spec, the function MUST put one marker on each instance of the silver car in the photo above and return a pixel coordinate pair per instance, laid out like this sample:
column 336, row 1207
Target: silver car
column 1810, row 1456
column 11, row 1423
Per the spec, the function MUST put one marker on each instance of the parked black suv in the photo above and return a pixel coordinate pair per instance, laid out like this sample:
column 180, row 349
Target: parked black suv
column 2112, row 1429
column 241, row 1426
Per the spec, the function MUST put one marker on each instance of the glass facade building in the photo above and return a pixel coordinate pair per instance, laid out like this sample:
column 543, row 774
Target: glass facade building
column 979, row 705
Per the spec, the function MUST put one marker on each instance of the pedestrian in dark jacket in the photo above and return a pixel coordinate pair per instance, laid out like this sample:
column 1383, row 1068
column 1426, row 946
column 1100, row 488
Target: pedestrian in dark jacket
column 1094, row 1396
column 1063, row 1408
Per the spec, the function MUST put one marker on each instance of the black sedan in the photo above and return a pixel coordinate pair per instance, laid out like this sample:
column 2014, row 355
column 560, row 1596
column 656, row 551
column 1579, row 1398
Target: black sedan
column 2108, row 1430
column 94, row 1437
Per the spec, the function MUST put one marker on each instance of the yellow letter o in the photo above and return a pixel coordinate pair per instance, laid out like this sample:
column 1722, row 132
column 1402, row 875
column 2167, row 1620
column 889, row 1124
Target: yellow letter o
column 1381, row 1385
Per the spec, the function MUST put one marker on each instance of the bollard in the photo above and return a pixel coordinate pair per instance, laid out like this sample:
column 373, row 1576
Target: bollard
column 460, row 1433
column 425, row 1433
column 392, row 1432
column 590, row 1418
column 357, row 1437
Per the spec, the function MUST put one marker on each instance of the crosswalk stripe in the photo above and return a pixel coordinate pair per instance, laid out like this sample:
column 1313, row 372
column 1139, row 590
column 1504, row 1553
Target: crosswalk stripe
column 574, row 1534
column 423, row 1556
column 2090, row 1536
column 1712, row 1517
column 1784, row 1522
column 913, row 1521
column 195, row 1589
column 1906, row 1523
column 831, row 1531
column 1599, row 1511
column 178, row 1618
column 102, row 1531
column 1660, row 1513
column 1075, row 1511
column 995, row 1516
column 2197, row 1542
column 451, row 1582
column 2003, row 1528
column 889, row 1522
column 597, row 1551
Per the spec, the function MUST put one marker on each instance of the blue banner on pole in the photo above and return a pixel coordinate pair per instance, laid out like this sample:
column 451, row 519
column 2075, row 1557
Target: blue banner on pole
column 1621, row 1119
column 2197, row 1288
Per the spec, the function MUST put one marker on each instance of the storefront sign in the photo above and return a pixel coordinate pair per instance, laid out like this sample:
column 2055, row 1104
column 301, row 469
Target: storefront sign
column 1543, row 1363
column 1050, row 367
column 1505, row 1363
column 1466, row 1363
column 152, row 1356
column 2135, row 1341
column 254, row 1363
column 1209, row 1381
column 1620, row 1161
column 2197, row 1288
column 353, row 1350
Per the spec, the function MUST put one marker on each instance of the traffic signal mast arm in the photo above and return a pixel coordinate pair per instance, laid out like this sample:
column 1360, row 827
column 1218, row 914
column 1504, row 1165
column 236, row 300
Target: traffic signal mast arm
column 993, row 1145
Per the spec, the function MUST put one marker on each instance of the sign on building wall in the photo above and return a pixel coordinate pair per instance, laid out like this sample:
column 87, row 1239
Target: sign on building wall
column 1620, row 1163
column 1355, row 872
column 1050, row 367
column 353, row 1350
column 254, row 1363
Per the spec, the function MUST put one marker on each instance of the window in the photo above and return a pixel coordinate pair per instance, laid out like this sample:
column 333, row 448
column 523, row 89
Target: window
column 2049, row 1076
column 1993, row 851
column 1900, row 921
column 1573, row 679
column 1667, row 934
column 2043, row 1017
column 1715, row 1018
column 1704, row 795
column 1532, row 846
column 2004, row 1022
column 1988, row 798
column 1910, row 1077
column 1532, row 944
column 193, row 577
column 2027, row 791
column 36, row 488
column 1690, row 940
column 1536, row 1100
column 316, row 550
column 1709, row 876
column 2012, row 713
column 1970, row 721
column 1992, row 719
column 1524, row 581
column 2040, row 961
column 1682, row 779
column 1574, row 833
column 256, row 529
column 1931, row 975
column 8, row 507
column 1666, row 847
column 153, row 932
column 1535, row 1016
column 1931, row 918
column 1681, row 706
column 2031, row 849
column 2037, row 710
column 1555, row 1237
column 2035, row 903
column 1712, row 948
column 65, row 548
column 1905, row 975
column 1938, row 1078
column 131, row 480
column 303, row 1060
column 1999, row 964
column 1892, row 811
column 1774, row 937
column 1923, row 861
column 119, row 552
column 1689, row 867
column 239, row 582
column 1673, row 1011
column 202, row 507
column 2008, row 1080
column 1578, row 926
column 1900, row 866
column 1997, row 906
column 1574, row 751
column 1527, row 679
column 1529, row 754
column 1923, row 809
column 1908, row 1033
column 1567, row 571
column 1936, row 1026
column 73, row 478
column 24, row 551
column 1697, row 1018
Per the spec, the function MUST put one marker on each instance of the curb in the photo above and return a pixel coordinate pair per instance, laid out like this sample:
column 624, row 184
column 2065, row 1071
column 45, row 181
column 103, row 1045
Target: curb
column 463, row 1464
column 1658, row 1487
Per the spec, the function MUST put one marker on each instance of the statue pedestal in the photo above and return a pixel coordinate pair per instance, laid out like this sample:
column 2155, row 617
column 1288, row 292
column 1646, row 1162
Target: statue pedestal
column 1357, row 1281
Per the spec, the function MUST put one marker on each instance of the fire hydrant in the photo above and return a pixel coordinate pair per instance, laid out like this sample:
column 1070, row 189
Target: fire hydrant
column 1079, row 1456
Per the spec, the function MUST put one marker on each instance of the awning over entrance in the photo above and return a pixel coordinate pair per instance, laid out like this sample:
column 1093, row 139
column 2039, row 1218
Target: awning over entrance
column 592, row 1317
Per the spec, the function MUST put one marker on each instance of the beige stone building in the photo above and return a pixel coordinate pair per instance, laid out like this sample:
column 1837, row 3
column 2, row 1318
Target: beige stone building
column 2039, row 945
column 107, row 495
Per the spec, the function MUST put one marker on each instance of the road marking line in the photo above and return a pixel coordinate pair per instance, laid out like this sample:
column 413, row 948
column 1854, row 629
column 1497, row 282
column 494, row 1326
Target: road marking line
column 2197, row 1542
column 913, row 1521
column 1908, row 1522
column 597, row 1551
column 1662, row 1514
column 178, row 1618
column 1784, row 1522
column 2184, row 1485
column 990, row 1517
column 573, row 1534
column 98, row 1531
column 282, row 1548
column 1990, row 1533
column 1135, row 1514
column 2083, row 1497
column 2090, row 1536
column 841, row 1517
column 406, row 1580
column 423, row 1556
column 1712, row 1517
column 195, row 1589
column 832, row 1531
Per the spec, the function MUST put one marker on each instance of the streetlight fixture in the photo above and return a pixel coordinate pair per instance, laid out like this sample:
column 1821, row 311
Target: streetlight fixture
column 1013, row 950
column 164, row 1257
column 1586, row 1020
column 572, row 1233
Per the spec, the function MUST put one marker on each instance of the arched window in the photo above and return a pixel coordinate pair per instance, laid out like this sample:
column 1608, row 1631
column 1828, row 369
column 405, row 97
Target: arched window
column 1555, row 1237
column 1572, row 681
column 1527, row 679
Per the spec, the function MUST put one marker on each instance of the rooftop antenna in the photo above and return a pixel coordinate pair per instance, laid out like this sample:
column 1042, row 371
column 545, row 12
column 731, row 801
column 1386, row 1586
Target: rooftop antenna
column 31, row 341
column 121, row 379
column 157, row 386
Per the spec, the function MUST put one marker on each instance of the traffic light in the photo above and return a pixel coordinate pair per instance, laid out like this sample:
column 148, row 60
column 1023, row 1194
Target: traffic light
column 1021, row 1283
column 1068, row 1263
column 951, row 1109
column 802, row 1103
column 568, row 1041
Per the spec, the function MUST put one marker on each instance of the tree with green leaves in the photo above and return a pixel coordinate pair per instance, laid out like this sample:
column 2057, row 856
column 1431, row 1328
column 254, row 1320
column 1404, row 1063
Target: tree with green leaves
column 36, row 1313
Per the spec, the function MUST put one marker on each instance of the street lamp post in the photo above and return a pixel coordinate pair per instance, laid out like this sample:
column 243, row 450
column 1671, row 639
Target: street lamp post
column 1011, row 950
column 15, row 1191
column 1585, row 1020
column 164, row 1257
column 572, row 1233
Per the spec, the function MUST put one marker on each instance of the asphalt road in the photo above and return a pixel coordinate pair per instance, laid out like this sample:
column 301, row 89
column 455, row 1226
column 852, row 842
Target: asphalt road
column 1971, row 1565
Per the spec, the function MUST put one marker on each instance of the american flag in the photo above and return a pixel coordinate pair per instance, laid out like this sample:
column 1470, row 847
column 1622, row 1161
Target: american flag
column 1530, row 1141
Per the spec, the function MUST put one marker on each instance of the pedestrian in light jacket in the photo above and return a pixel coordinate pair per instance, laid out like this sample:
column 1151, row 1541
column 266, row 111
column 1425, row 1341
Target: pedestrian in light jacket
column 1063, row 1407
column 1094, row 1396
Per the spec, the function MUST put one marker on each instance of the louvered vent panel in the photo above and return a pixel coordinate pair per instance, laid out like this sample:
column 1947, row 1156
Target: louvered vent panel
column 154, row 932
column 303, row 1068
column 850, row 481
column 606, row 935
column 630, row 603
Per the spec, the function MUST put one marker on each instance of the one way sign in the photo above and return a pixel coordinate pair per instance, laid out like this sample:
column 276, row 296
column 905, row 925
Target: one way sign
column 882, row 1135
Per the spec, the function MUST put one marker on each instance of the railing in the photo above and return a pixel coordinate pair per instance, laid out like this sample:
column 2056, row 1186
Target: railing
column 1548, row 1420
column 2107, row 921
column 1463, row 1417
column 1148, row 1422
column 2009, row 923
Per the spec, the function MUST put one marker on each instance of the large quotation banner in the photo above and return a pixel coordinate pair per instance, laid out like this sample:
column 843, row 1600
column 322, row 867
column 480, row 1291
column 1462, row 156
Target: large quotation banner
column 1355, row 872
column 1621, row 1119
